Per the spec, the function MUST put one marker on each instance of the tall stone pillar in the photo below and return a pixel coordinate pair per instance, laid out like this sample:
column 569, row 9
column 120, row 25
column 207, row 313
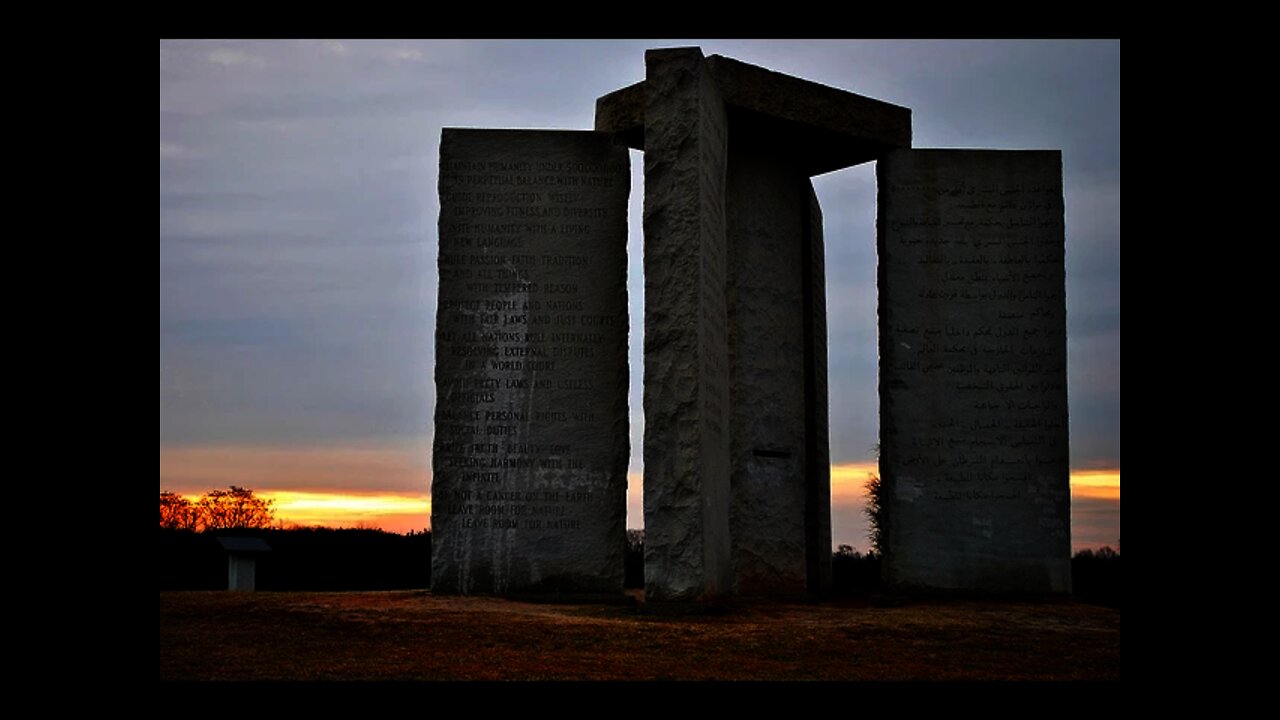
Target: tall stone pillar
column 686, row 399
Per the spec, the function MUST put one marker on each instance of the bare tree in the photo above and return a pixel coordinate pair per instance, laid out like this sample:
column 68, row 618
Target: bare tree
column 234, row 508
column 177, row 512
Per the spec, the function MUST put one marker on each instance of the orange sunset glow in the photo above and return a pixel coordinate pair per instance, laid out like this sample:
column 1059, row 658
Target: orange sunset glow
column 1095, row 506
column 848, row 480
column 1096, row 484
column 393, row 513
column 313, row 486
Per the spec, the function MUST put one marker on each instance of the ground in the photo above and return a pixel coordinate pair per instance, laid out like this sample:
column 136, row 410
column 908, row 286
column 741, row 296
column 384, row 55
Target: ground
column 415, row 636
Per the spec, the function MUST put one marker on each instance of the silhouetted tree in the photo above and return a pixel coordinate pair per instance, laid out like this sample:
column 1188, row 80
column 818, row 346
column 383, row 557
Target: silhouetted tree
column 177, row 512
column 1095, row 576
column 876, row 509
column 875, row 513
column 234, row 508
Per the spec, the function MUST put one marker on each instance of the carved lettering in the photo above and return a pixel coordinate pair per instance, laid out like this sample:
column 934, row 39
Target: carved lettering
column 531, row 339
column 973, row 356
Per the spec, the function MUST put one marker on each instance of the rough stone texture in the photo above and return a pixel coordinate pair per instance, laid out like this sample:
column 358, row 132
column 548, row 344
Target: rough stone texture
column 820, row 128
column 781, row 129
column 622, row 112
column 686, row 394
column 768, row 205
column 531, row 443
column 973, row 384
column 817, row 418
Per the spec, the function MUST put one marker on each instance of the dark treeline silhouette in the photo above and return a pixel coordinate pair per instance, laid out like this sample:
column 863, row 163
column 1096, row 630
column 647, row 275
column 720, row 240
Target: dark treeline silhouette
column 851, row 571
column 367, row 559
column 301, row 559
column 633, row 567
column 1095, row 576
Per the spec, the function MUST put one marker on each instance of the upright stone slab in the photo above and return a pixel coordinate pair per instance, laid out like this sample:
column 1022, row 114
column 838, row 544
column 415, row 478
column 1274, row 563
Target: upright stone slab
column 973, row 384
column 768, row 206
column 531, row 444
column 686, row 393
column 817, row 414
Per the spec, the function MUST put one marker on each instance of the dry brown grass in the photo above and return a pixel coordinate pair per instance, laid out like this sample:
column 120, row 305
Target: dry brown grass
column 415, row 636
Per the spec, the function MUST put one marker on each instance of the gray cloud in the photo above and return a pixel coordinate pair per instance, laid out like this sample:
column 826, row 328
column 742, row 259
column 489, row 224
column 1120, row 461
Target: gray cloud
column 298, row 210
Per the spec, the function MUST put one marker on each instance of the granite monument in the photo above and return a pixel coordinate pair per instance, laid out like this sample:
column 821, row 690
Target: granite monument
column 531, row 438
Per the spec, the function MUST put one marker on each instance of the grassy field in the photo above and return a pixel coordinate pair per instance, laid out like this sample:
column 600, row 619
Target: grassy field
column 415, row 636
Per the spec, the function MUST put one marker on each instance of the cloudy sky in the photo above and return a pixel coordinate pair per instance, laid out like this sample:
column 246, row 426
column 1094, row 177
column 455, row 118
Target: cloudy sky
column 298, row 242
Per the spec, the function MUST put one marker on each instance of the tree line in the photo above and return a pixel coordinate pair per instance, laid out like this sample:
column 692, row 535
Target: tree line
column 216, row 510
column 366, row 558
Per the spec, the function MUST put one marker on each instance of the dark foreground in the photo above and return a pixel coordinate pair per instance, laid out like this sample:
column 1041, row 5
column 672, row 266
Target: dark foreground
column 414, row 636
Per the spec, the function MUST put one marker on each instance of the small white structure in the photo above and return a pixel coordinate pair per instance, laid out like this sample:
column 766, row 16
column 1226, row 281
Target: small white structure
column 242, row 553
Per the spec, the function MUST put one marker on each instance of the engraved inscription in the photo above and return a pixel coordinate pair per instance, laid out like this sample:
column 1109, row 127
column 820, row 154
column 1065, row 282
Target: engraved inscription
column 974, row 337
column 530, row 346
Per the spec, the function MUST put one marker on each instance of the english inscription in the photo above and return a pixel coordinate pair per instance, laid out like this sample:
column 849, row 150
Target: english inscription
column 530, row 450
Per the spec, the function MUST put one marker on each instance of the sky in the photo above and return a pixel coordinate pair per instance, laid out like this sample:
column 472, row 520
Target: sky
column 298, row 245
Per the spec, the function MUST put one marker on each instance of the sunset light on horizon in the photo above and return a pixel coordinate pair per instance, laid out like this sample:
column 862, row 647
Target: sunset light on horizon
column 1095, row 496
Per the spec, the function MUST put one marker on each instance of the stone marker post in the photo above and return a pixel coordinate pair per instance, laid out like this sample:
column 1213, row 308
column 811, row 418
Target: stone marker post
column 686, row 400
